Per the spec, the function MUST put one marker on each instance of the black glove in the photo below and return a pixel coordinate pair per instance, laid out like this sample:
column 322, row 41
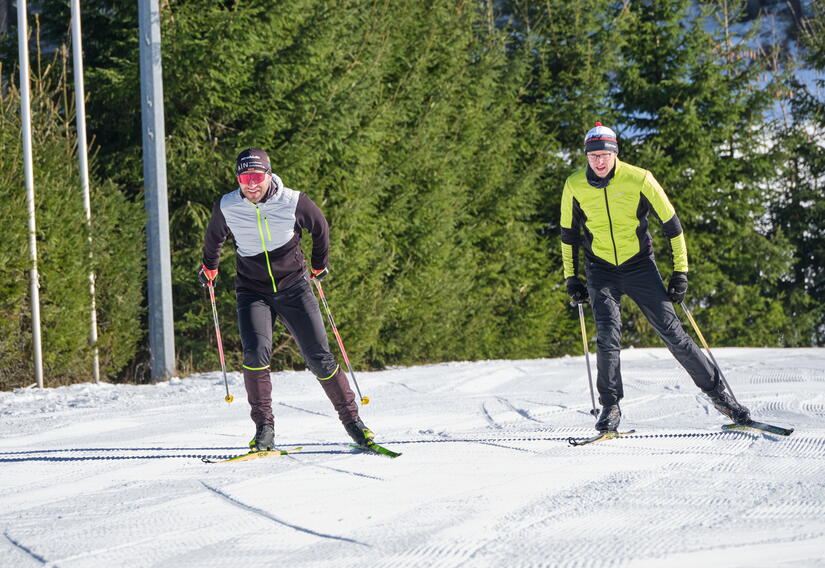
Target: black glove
column 206, row 275
column 677, row 288
column 577, row 290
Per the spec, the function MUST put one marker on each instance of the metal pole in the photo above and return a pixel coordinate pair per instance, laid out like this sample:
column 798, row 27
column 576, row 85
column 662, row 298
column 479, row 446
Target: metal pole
column 83, row 161
column 25, row 116
column 161, row 329
column 705, row 345
column 593, row 411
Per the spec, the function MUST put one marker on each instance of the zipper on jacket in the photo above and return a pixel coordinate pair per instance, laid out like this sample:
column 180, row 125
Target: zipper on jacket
column 266, row 222
column 610, row 222
column 263, row 244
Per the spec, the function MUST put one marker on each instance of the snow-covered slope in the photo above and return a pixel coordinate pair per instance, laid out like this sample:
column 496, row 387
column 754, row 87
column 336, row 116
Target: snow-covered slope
column 105, row 475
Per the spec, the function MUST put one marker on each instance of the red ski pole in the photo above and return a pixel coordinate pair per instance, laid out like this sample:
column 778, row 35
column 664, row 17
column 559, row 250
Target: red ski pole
column 228, row 398
column 364, row 399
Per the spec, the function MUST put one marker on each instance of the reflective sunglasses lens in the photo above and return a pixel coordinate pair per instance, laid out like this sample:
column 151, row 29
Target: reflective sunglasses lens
column 248, row 179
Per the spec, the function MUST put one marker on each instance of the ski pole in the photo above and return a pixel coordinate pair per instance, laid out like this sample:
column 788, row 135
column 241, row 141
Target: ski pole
column 705, row 345
column 594, row 412
column 228, row 398
column 364, row 399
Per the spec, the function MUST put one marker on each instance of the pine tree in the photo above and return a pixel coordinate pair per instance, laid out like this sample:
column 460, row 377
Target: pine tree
column 692, row 117
column 797, row 208
column 572, row 50
column 401, row 120
column 63, row 253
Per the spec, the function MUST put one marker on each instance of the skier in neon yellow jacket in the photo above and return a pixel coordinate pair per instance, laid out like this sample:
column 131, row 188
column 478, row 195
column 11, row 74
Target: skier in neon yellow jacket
column 604, row 210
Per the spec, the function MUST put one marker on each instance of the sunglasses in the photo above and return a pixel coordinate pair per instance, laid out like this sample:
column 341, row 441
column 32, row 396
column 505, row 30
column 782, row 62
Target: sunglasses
column 252, row 177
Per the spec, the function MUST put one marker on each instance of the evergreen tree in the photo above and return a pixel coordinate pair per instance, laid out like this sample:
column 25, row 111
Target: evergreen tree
column 436, row 138
column 62, row 246
column 798, row 209
column 401, row 120
column 692, row 117
column 388, row 116
column 572, row 49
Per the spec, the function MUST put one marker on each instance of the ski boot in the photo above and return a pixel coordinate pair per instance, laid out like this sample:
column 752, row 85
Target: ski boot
column 727, row 405
column 360, row 434
column 609, row 418
column 264, row 438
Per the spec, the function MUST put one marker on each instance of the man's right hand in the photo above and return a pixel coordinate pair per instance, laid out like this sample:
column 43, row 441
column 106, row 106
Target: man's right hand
column 318, row 273
column 577, row 290
column 677, row 287
column 207, row 275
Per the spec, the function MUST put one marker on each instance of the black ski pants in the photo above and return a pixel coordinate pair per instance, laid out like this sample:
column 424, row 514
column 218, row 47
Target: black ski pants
column 298, row 309
column 640, row 280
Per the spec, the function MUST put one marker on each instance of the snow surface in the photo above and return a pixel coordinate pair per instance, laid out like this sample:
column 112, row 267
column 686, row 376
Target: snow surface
column 110, row 475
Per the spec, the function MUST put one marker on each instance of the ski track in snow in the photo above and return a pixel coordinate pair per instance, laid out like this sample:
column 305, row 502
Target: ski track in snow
column 272, row 517
column 110, row 475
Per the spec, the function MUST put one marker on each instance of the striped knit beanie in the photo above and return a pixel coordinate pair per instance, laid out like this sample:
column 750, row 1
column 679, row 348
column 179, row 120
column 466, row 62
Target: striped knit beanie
column 600, row 138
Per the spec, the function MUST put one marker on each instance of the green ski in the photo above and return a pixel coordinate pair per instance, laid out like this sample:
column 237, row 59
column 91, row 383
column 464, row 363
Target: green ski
column 374, row 448
column 761, row 426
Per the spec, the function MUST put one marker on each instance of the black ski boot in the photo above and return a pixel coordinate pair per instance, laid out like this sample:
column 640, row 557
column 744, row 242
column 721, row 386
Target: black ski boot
column 264, row 438
column 727, row 405
column 360, row 434
column 609, row 418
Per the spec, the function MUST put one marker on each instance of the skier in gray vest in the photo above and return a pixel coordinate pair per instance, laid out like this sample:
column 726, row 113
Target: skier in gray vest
column 266, row 219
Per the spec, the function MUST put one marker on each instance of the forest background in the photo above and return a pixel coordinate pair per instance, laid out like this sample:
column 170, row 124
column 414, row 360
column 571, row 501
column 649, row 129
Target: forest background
column 436, row 136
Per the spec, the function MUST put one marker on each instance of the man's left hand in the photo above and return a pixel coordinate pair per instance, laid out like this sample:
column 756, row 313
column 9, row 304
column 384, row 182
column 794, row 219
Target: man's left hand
column 677, row 287
column 318, row 274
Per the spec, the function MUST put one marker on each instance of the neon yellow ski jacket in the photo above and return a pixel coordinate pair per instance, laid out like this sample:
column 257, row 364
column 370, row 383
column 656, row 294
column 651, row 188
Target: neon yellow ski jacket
column 614, row 219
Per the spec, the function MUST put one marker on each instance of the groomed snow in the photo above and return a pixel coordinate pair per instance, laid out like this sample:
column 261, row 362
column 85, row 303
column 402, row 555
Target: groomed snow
column 110, row 475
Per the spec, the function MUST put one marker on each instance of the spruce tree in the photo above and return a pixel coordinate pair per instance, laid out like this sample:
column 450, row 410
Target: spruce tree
column 572, row 50
column 797, row 208
column 401, row 120
column 692, row 116
column 63, row 259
